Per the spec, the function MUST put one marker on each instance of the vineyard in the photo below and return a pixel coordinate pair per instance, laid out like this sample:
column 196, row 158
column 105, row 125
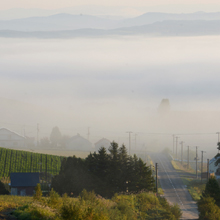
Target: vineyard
column 22, row 161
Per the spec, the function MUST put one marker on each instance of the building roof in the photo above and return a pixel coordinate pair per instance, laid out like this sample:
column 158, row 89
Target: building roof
column 103, row 139
column 79, row 137
column 24, row 179
column 214, row 159
column 12, row 132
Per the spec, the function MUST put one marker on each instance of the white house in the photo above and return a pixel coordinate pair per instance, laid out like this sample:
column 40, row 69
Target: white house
column 213, row 168
column 79, row 143
column 102, row 143
column 10, row 139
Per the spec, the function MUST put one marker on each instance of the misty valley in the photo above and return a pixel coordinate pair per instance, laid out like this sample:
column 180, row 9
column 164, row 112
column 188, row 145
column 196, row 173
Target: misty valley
column 109, row 117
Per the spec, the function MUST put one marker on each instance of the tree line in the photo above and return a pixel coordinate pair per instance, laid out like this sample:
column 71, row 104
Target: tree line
column 104, row 172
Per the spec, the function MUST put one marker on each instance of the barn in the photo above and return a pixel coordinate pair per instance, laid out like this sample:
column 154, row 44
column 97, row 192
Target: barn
column 10, row 139
column 79, row 143
column 23, row 184
column 102, row 143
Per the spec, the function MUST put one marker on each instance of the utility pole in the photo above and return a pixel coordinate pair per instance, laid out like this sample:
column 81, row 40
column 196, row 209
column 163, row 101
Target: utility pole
column 156, row 166
column 202, row 163
column 129, row 132
column 176, row 145
column 173, row 143
column 135, row 135
column 24, row 137
column 207, row 169
column 24, row 131
column 88, row 133
column 196, row 158
column 37, row 135
column 181, row 152
column 188, row 158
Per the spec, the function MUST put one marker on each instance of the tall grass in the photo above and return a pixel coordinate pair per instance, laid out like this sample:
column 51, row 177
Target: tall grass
column 89, row 206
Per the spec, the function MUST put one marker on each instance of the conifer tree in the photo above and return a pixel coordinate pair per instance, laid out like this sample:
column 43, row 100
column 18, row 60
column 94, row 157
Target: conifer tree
column 212, row 189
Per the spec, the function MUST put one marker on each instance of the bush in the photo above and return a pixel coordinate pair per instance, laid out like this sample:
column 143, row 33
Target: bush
column 208, row 210
column 212, row 189
column 3, row 190
column 34, row 212
column 54, row 199
column 38, row 193
column 88, row 196
column 75, row 211
column 176, row 211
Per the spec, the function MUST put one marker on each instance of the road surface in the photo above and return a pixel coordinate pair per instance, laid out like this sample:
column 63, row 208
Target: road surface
column 172, row 185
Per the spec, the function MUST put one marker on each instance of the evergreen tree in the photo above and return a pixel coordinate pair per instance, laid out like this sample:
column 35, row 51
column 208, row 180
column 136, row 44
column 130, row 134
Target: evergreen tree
column 124, row 166
column 104, row 173
column 114, row 167
column 212, row 189
column 102, row 163
column 55, row 136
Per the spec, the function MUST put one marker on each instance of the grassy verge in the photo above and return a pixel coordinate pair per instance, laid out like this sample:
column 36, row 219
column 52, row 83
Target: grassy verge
column 88, row 206
column 11, row 202
column 194, row 186
column 182, row 167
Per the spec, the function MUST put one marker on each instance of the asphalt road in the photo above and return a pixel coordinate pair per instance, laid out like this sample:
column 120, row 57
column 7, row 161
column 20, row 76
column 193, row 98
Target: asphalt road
column 172, row 185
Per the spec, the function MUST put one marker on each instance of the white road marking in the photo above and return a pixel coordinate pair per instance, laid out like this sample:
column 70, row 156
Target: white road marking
column 173, row 186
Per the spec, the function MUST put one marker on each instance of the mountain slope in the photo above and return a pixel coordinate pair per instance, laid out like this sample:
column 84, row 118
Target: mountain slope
column 165, row 28
column 61, row 22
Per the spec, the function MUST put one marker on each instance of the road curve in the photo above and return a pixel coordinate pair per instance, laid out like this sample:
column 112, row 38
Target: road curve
column 172, row 185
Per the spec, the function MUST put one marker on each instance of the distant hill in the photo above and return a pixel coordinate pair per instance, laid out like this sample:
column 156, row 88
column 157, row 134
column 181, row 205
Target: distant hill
column 165, row 28
column 58, row 22
column 64, row 22
column 150, row 18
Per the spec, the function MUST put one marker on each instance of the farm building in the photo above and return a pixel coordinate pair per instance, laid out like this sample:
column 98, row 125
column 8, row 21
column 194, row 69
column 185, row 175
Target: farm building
column 10, row 139
column 79, row 143
column 23, row 184
column 102, row 143
column 213, row 168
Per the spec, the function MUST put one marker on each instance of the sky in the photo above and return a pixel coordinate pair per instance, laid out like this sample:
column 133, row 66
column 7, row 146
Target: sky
column 55, row 4
column 112, row 85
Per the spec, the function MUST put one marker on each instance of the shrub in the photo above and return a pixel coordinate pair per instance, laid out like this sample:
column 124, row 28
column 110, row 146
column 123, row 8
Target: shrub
column 54, row 199
column 3, row 190
column 88, row 196
column 208, row 210
column 176, row 211
column 75, row 211
column 212, row 189
column 34, row 212
column 38, row 193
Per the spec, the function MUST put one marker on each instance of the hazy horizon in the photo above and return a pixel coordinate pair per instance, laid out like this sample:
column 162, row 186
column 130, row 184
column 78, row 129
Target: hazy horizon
column 113, row 85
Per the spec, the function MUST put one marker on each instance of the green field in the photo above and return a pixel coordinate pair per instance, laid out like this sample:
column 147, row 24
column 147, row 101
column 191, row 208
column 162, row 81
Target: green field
column 23, row 161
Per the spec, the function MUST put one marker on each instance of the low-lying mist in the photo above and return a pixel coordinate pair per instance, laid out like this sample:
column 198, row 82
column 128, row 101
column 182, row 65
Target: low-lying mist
column 113, row 86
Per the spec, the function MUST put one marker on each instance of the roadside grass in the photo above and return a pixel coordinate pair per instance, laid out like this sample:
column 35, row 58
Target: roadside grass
column 195, row 187
column 11, row 202
column 182, row 167
column 89, row 206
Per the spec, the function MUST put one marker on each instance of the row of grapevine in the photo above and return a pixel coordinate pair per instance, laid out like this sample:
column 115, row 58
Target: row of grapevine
column 23, row 161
